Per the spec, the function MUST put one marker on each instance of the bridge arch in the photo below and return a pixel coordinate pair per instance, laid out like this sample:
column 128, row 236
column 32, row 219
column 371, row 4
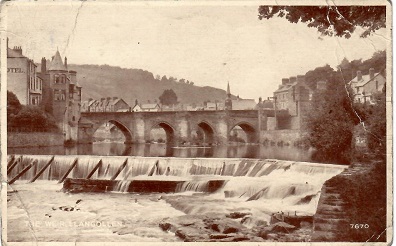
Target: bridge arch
column 125, row 130
column 250, row 131
column 207, row 130
column 168, row 128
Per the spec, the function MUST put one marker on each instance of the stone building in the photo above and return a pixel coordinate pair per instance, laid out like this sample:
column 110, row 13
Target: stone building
column 365, row 86
column 291, row 100
column 238, row 103
column 61, row 94
column 22, row 79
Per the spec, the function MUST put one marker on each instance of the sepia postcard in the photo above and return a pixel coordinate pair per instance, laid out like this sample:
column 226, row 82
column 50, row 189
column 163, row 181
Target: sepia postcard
column 192, row 122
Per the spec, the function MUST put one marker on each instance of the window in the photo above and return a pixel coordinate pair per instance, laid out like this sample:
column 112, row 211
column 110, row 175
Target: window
column 376, row 84
column 59, row 95
column 56, row 78
column 358, row 89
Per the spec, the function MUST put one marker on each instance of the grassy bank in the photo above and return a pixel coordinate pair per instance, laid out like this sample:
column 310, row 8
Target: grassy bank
column 364, row 194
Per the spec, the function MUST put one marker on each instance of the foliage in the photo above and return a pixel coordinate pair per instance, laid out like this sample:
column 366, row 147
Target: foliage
column 365, row 197
column 318, row 74
column 331, row 115
column 33, row 119
column 338, row 21
column 168, row 97
column 349, row 69
column 376, row 127
column 13, row 104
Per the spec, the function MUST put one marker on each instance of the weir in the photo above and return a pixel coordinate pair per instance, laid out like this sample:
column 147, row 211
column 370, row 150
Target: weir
column 248, row 179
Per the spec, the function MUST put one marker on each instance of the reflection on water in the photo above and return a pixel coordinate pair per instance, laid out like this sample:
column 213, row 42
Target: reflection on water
column 120, row 149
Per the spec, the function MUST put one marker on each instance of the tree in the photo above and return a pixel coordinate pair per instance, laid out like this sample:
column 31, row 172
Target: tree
column 331, row 115
column 164, row 79
column 13, row 104
column 376, row 127
column 168, row 97
column 318, row 74
column 32, row 118
column 338, row 21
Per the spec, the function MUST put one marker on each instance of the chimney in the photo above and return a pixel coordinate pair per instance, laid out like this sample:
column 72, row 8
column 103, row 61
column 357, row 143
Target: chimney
column 260, row 99
column 359, row 75
column 371, row 72
column 43, row 65
column 18, row 49
column 102, row 99
column 292, row 80
column 285, row 81
column 65, row 62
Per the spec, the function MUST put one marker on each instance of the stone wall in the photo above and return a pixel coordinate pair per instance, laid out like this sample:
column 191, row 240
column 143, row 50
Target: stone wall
column 331, row 220
column 278, row 136
column 33, row 139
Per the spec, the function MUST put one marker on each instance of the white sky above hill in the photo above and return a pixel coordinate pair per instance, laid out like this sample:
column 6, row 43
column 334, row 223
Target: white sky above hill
column 209, row 45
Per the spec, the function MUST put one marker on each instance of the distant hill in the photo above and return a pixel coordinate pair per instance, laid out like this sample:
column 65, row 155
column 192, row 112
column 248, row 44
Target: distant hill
column 130, row 84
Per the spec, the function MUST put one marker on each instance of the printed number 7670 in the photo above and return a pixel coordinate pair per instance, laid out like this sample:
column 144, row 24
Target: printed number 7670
column 359, row 226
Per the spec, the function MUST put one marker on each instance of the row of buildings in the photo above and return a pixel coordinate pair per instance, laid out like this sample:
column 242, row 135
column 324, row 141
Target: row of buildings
column 115, row 104
column 55, row 87
column 50, row 85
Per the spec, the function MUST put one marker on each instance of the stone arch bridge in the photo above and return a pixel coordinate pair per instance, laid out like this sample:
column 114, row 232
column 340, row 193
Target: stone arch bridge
column 178, row 125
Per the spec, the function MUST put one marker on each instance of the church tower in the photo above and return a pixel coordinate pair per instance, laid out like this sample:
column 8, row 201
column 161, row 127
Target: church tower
column 228, row 101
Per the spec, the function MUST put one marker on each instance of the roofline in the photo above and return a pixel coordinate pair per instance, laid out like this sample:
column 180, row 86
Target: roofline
column 379, row 73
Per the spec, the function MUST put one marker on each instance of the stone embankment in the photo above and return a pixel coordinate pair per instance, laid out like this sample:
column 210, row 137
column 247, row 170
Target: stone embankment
column 33, row 139
column 330, row 219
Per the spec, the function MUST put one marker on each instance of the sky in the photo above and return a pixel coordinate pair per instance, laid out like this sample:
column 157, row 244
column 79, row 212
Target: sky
column 209, row 45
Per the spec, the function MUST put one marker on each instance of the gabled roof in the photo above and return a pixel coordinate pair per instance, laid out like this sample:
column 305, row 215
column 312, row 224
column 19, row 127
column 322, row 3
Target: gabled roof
column 365, row 79
column 286, row 87
column 56, row 63
column 149, row 106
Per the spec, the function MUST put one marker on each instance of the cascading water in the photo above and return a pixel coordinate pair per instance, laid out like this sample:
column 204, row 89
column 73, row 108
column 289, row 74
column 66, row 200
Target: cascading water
column 281, row 182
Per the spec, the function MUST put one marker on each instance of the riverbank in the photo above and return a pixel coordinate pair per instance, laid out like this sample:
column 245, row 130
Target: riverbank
column 352, row 206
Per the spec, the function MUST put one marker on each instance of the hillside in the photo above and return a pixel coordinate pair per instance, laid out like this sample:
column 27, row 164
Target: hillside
column 130, row 84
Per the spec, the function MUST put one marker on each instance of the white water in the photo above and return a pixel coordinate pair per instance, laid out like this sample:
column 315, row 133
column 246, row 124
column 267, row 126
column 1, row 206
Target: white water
column 261, row 187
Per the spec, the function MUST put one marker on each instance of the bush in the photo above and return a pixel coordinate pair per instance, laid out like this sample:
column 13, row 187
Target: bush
column 32, row 119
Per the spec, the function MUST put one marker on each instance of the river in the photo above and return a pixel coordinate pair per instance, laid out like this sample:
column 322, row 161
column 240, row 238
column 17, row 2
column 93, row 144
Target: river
column 162, row 150
column 260, row 187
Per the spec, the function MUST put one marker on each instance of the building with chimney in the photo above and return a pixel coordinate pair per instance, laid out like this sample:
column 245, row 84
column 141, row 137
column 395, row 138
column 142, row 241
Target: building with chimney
column 61, row 94
column 22, row 79
column 365, row 86
column 291, row 100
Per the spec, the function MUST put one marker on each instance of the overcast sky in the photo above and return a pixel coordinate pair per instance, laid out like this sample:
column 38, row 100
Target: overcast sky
column 209, row 45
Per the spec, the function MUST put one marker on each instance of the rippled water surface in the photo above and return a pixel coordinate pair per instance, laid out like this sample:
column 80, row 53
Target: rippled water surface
column 120, row 149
